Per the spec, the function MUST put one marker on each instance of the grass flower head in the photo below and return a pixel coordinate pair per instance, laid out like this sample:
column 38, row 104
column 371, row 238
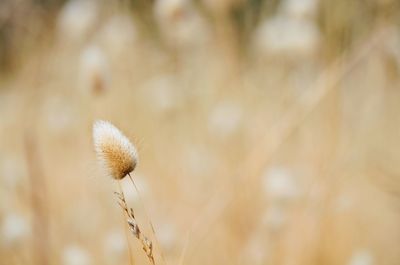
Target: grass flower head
column 114, row 150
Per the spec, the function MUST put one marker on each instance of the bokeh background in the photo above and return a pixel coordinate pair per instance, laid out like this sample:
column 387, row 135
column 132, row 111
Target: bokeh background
column 268, row 131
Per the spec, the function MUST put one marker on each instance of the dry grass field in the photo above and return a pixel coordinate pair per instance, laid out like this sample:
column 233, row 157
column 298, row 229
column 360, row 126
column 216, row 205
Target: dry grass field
column 268, row 132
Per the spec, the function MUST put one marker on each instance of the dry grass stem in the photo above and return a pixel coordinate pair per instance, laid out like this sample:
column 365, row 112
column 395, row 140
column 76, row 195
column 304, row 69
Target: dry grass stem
column 38, row 198
column 147, row 217
column 147, row 245
column 269, row 144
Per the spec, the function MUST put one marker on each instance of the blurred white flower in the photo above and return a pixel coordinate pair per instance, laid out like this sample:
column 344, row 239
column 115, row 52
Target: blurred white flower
column 225, row 119
column 114, row 246
column 299, row 8
column 14, row 229
column 94, row 72
column 169, row 9
column 361, row 257
column 77, row 18
column 161, row 93
column 286, row 36
column 166, row 234
column 118, row 34
column 274, row 218
column 256, row 250
column 76, row 255
column 180, row 24
column 279, row 184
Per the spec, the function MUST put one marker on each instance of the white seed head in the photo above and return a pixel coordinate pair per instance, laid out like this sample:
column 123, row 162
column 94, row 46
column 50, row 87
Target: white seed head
column 283, row 35
column 275, row 218
column 225, row 119
column 118, row 35
column 361, row 257
column 77, row 18
column 94, row 72
column 166, row 10
column 279, row 184
column 180, row 24
column 167, row 235
column 114, row 246
column 75, row 255
column 299, row 8
column 14, row 230
column 256, row 249
column 114, row 150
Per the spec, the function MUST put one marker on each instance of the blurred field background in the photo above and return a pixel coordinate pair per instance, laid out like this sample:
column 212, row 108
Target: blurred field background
column 268, row 131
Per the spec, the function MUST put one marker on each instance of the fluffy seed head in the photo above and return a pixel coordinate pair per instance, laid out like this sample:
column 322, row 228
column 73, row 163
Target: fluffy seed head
column 114, row 150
